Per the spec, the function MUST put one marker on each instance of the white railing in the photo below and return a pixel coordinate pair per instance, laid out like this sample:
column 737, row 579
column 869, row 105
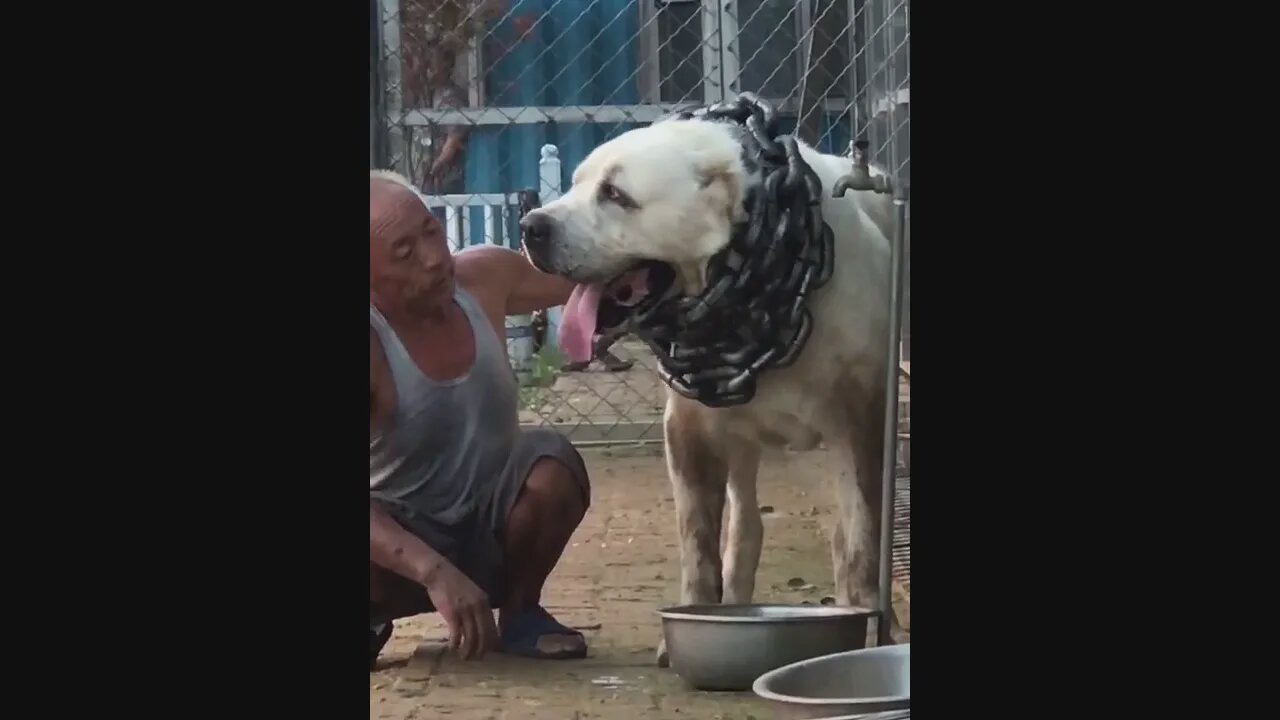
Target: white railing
column 499, row 209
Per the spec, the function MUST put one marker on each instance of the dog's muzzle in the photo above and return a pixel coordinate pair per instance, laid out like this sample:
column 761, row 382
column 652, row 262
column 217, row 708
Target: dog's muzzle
column 538, row 229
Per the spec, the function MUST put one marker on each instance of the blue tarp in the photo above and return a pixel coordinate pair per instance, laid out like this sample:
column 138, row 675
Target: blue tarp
column 577, row 53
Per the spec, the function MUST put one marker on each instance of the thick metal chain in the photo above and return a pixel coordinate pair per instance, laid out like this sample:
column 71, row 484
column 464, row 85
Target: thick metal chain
column 753, row 314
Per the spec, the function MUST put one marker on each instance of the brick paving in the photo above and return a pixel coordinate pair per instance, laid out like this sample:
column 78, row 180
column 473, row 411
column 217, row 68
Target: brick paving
column 621, row 566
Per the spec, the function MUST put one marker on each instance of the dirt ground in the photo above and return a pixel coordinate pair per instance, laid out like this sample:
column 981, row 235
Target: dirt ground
column 621, row 566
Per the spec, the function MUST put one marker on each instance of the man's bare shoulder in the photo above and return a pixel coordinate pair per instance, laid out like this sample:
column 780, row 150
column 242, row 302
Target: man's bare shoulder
column 485, row 269
column 487, row 255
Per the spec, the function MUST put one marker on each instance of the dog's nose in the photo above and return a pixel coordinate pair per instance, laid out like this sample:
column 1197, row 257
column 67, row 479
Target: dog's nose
column 537, row 231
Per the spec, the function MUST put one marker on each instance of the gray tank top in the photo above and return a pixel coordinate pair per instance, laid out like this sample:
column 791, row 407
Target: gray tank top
column 447, row 442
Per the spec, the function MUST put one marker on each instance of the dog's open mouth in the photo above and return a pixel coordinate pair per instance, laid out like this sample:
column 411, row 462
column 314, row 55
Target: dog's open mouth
column 600, row 308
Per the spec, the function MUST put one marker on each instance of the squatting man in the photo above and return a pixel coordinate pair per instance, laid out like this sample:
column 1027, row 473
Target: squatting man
column 467, row 512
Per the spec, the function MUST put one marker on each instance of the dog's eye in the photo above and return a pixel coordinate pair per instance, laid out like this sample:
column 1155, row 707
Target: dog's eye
column 610, row 192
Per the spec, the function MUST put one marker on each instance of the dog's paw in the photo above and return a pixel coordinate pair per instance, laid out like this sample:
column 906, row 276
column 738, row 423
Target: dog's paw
column 661, row 655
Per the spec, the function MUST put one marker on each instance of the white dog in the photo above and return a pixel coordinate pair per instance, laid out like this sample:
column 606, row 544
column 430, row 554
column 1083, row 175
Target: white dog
column 646, row 212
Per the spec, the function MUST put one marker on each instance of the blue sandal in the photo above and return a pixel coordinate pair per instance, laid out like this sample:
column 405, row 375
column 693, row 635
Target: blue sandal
column 378, row 637
column 520, row 637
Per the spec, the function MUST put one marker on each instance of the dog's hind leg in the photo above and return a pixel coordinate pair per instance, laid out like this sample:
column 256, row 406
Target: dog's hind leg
column 697, row 466
column 856, row 541
column 746, row 532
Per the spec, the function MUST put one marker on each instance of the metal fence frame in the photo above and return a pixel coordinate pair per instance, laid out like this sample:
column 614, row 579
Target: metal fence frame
column 876, row 43
column 722, row 60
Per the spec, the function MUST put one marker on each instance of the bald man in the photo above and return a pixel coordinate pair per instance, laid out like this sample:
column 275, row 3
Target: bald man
column 467, row 512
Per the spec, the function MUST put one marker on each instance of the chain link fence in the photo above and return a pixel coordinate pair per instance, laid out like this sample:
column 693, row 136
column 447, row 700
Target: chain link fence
column 489, row 105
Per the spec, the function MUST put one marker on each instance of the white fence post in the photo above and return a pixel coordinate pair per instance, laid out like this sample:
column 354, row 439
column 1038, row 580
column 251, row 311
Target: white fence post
column 549, row 174
column 549, row 190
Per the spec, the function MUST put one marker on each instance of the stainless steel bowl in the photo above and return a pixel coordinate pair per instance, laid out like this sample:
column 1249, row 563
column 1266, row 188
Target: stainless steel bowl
column 726, row 647
column 891, row 715
column 846, row 683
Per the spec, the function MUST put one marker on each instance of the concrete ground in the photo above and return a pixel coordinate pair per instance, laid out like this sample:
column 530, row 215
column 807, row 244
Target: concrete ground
column 621, row 566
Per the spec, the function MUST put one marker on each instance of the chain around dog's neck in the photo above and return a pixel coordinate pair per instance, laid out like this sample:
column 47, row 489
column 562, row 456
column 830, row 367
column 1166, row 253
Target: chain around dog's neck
column 753, row 315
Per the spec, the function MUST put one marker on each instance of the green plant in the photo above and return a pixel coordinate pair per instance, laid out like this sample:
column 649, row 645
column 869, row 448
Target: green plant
column 546, row 365
column 544, row 368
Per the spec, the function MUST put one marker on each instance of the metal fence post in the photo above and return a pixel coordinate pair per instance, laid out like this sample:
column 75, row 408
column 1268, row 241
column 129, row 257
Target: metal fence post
column 375, row 87
column 393, row 146
column 549, row 190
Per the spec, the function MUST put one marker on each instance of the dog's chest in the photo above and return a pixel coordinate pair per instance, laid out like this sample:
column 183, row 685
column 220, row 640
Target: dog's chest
column 779, row 416
column 800, row 406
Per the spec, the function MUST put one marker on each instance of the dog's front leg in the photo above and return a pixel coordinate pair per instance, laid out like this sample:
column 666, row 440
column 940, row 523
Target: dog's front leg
column 696, row 465
column 746, row 531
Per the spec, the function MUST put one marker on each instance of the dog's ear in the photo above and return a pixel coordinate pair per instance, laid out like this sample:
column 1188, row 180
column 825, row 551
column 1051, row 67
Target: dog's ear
column 708, row 174
column 719, row 182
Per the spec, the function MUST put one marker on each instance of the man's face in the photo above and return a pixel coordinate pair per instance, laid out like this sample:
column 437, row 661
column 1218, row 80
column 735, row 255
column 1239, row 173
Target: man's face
column 410, row 266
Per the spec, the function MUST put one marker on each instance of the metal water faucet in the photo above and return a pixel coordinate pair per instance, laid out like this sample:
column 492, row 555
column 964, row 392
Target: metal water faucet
column 861, row 178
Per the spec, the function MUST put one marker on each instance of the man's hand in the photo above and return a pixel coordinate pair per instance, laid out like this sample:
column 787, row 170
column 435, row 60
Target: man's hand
column 465, row 607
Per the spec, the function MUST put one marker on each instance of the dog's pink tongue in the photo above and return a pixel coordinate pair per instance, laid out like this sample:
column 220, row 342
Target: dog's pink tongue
column 578, row 323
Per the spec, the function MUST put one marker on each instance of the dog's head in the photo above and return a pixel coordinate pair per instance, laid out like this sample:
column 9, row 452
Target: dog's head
column 646, row 212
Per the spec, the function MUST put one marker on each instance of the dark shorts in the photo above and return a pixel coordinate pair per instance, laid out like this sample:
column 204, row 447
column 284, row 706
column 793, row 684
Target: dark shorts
column 475, row 545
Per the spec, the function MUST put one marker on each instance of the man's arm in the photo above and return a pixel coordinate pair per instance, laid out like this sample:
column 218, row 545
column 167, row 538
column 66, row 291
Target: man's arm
column 453, row 145
column 462, row 604
column 398, row 550
column 456, row 137
column 390, row 545
column 525, row 287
